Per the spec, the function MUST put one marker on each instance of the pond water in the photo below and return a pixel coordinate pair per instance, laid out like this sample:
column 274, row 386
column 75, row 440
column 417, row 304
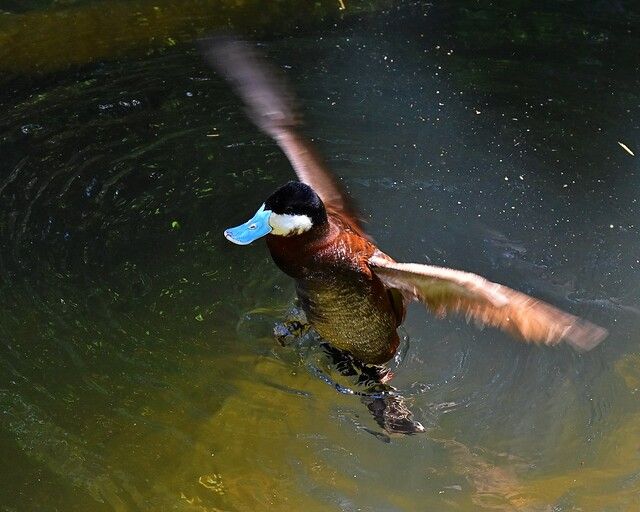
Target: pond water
column 138, row 369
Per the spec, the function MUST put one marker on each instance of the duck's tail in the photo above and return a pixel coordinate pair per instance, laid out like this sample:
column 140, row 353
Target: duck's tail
column 267, row 97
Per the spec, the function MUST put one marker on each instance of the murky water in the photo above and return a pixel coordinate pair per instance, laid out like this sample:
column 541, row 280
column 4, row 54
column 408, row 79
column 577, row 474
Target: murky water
column 138, row 370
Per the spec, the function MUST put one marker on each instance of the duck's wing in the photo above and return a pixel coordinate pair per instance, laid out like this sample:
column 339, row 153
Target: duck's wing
column 271, row 106
column 445, row 290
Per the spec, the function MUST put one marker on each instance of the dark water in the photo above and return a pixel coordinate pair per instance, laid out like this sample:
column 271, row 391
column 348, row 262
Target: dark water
column 137, row 366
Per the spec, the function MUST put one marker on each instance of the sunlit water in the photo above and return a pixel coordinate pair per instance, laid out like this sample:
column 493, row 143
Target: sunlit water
column 138, row 370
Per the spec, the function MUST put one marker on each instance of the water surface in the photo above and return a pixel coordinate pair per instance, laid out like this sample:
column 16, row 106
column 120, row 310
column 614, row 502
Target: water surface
column 138, row 370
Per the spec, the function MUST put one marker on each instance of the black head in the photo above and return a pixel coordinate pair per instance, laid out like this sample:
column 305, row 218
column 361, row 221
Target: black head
column 291, row 210
column 296, row 198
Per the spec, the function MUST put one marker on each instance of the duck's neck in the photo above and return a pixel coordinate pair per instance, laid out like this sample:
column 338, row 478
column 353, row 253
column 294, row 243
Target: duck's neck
column 292, row 253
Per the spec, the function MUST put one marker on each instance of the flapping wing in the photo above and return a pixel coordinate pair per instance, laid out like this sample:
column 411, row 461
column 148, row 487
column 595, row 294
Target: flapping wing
column 271, row 106
column 446, row 290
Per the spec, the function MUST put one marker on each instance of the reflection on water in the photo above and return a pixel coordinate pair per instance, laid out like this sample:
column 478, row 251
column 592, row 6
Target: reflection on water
column 138, row 367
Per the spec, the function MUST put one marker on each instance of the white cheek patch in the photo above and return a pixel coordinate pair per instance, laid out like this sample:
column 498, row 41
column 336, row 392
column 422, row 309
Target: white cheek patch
column 286, row 225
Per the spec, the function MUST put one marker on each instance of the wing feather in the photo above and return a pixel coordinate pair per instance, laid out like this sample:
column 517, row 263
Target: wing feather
column 271, row 106
column 445, row 290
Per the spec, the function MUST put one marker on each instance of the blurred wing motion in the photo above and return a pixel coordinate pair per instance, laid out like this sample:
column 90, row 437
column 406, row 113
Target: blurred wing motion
column 446, row 290
column 271, row 106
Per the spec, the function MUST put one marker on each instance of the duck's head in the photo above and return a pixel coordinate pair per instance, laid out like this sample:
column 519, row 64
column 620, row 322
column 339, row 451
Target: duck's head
column 291, row 210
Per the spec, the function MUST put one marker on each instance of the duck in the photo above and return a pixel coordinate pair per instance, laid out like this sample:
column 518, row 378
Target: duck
column 354, row 295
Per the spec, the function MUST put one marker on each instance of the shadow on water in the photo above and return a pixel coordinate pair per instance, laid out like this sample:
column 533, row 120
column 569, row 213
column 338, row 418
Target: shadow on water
column 138, row 367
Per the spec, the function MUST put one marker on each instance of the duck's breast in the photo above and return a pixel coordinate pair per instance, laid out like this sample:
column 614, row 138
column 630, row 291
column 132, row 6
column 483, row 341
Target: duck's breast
column 352, row 311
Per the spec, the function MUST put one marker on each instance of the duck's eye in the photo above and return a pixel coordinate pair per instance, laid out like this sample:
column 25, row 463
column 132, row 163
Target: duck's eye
column 253, row 226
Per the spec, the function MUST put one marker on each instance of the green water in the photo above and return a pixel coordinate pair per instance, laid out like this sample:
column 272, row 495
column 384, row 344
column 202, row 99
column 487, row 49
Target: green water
column 138, row 370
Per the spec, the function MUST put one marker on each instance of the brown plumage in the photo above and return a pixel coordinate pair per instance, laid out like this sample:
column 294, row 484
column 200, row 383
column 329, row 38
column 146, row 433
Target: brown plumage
column 444, row 290
column 354, row 294
column 344, row 300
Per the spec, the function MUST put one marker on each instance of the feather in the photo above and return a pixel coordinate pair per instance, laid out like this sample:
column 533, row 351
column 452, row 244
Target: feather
column 271, row 106
column 445, row 290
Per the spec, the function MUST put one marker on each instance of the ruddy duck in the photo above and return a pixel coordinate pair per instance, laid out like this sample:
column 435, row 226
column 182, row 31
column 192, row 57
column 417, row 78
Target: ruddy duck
column 354, row 295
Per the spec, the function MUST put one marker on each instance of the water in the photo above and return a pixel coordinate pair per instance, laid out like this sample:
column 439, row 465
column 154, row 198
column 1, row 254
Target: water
column 138, row 370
